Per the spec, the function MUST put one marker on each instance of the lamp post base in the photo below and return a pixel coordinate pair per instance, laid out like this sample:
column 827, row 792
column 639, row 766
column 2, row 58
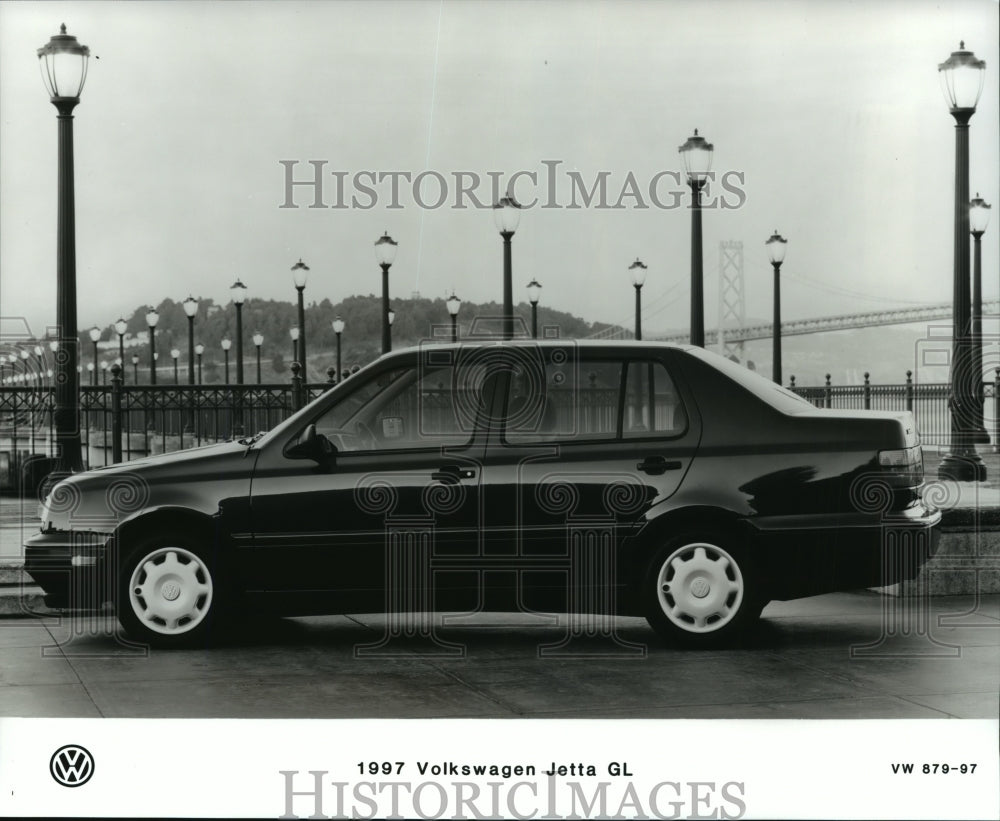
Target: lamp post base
column 962, row 467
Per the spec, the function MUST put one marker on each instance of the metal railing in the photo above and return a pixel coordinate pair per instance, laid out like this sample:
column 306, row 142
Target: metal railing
column 121, row 422
column 928, row 403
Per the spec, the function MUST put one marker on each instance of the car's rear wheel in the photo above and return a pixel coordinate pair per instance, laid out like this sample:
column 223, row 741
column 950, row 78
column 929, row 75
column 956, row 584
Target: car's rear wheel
column 702, row 591
column 168, row 591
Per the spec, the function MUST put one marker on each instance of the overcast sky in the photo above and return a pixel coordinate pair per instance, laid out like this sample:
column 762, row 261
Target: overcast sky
column 831, row 111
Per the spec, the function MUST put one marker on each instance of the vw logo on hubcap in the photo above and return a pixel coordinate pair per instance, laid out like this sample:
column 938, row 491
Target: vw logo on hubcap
column 171, row 590
column 700, row 588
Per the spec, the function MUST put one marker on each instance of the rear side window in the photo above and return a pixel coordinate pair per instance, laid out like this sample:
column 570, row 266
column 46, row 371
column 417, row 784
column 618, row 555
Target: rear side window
column 652, row 405
column 592, row 400
column 564, row 401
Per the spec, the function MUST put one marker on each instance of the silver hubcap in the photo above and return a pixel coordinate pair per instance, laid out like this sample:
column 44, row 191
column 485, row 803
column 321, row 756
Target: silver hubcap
column 700, row 588
column 171, row 591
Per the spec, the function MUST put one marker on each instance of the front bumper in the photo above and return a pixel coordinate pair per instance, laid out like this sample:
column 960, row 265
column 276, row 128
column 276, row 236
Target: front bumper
column 72, row 567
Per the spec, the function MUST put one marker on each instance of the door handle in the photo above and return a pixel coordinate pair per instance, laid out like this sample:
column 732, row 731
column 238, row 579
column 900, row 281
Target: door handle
column 656, row 465
column 452, row 474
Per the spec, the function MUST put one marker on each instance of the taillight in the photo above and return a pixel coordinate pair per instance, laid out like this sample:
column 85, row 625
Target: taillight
column 906, row 462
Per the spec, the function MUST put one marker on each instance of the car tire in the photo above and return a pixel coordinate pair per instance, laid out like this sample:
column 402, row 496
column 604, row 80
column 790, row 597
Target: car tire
column 168, row 592
column 702, row 590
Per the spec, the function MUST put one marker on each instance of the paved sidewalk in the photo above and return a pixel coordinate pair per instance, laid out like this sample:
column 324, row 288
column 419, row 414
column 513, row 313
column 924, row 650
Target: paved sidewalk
column 799, row 665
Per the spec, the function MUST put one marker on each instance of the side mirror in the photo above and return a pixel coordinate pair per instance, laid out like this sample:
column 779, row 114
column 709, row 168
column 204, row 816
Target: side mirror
column 313, row 445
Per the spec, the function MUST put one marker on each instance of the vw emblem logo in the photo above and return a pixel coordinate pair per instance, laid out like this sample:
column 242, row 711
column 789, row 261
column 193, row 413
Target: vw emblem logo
column 700, row 588
column 72, row 765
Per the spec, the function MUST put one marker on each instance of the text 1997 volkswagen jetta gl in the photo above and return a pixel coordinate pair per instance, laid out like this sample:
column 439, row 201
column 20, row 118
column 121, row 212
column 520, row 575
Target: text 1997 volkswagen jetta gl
column 627, row 478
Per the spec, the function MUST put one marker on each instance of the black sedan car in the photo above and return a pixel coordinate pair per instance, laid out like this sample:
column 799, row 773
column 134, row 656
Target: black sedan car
column 558, row 476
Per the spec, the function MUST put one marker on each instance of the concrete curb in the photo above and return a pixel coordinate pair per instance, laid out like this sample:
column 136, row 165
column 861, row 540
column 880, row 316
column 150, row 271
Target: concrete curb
column 967, row 561
column 23, row 601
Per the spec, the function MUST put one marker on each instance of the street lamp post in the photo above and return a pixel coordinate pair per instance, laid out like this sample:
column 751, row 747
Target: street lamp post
column 506, row 216
column 299, row 272
column 962, row 77
column 390, row 316
column 979, row 218
column 258, row 340
column 190, row 311
column 638, row 271
column 121, row 326
column 776, row 245
column 239, row 297
column 534, row 292
column 226, row 345
column 293, row 332
column 697, row 156
column 135, row 368
column 385, row 254
column 152, row 317
column 338, row 329
column 175, row 354
column 454, row 306
column 63, row 63
column 104, row 373
column 95, row 335
column 199, row 349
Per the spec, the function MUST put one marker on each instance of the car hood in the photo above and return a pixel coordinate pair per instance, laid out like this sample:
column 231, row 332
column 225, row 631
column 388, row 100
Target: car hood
column 195, row 479
column 190, row 456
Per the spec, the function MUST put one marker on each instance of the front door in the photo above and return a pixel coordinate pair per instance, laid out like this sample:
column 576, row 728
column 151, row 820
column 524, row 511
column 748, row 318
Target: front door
column 403, row 488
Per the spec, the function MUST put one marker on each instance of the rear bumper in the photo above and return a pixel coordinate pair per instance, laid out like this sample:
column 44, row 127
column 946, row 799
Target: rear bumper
column 72, row 567
column 809, row 555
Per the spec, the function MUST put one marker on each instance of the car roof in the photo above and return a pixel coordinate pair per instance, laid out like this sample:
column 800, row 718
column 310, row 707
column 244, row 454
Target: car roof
column 636, row 344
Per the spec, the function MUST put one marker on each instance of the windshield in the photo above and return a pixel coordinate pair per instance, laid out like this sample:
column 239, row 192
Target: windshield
column 775, row 395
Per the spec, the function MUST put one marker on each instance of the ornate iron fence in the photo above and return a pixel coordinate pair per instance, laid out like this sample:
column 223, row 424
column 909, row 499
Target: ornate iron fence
column 928, row 403
column 122, row 422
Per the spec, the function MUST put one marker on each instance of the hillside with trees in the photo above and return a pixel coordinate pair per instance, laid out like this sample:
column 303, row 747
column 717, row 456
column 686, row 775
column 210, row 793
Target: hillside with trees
column 415, row 321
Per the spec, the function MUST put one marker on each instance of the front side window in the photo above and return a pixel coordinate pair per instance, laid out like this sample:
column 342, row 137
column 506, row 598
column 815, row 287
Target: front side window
column 422, row 406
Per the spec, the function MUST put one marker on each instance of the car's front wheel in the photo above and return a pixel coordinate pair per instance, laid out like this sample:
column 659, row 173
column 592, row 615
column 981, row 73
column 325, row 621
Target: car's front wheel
column 701, row 591
column 168, row 591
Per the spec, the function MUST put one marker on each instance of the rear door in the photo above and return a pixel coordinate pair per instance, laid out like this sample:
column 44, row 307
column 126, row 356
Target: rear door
column 586, row 442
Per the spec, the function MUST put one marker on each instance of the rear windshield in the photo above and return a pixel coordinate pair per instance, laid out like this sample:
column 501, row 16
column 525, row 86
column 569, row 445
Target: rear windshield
column 775, row 395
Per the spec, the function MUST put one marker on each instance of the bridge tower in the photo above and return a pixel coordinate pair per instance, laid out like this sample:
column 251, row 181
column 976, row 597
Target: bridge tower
column 732, row 306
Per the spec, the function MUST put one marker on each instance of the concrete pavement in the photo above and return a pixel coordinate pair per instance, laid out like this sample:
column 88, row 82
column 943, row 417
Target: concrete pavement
column 799, row 665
